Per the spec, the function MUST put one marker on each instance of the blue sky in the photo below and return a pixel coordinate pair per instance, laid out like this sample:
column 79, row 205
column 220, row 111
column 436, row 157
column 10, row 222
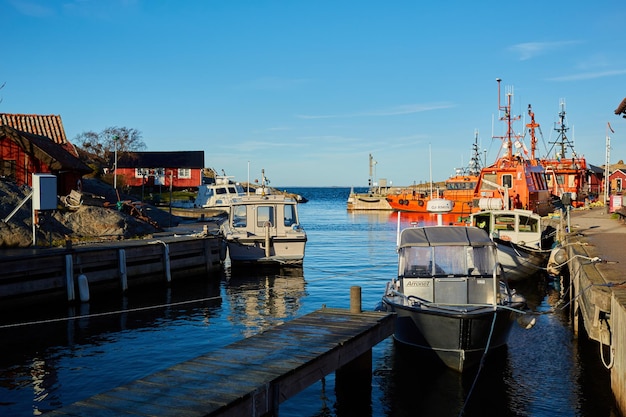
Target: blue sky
column 307, row 89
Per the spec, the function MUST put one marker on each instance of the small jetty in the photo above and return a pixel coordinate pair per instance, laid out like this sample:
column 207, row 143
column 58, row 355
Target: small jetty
column 597, row 293
column 72, row 272
column 253, row 376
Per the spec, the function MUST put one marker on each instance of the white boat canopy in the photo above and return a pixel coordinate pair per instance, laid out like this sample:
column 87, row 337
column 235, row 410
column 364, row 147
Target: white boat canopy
column 444, row 236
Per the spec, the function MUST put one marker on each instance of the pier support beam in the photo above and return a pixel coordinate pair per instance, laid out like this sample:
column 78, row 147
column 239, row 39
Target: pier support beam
column 353, row 386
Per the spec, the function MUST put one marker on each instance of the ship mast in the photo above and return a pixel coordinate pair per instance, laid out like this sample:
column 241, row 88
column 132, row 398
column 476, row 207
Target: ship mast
column 509, row 119
column 531, row 129
column 474, row 166
column 562, row 139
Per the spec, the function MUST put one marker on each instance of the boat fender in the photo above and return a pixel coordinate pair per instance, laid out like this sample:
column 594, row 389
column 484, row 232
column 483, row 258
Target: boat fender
column 420, row 203
column 83, row 288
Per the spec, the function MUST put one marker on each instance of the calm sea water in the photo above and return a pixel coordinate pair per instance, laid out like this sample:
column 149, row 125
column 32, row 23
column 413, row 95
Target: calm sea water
column 544, row 371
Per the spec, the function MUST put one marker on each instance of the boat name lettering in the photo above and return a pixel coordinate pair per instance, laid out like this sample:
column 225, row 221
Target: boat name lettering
column 418, row 283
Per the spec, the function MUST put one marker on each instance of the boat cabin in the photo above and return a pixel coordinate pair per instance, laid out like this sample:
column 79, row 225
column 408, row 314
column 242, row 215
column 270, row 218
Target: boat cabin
column 518, row 226
column 218, row 192
column 447, row 265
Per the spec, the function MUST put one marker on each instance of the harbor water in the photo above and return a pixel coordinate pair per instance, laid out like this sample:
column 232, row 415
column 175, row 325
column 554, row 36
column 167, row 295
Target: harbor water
column 55, row 355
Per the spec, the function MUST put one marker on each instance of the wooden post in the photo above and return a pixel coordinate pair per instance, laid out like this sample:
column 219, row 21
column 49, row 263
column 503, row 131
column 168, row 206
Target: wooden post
column 353, row 386
column 69, row 277
column 355, row 299
column 121, row 257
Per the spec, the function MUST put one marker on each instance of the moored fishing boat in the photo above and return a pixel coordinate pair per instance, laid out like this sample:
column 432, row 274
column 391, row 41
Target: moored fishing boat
column 217, row 192
column 448, row 296
column 523, row 242
column 264, row 228
column 459, row 189
column 568, row 177
column 376, row 196
column 516, row 179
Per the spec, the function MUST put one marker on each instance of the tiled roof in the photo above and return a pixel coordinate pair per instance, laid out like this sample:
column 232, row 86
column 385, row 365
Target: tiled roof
column 49, row 126
column 56, row 157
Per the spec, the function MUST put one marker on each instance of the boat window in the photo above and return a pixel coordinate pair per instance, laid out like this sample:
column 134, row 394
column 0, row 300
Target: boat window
column 232, row 190
column 504, row 222
column 482, row 222
column 221, row 191
column 265, row 214
column 450, row 260
column 290, row 215
column 528, row 224
column 507, row 180
column 480, row 260
column 240, row 218
column 489, row 179
column 416, row 262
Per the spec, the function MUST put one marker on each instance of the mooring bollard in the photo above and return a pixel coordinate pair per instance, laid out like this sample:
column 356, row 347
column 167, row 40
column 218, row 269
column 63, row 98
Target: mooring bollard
column 355, row 299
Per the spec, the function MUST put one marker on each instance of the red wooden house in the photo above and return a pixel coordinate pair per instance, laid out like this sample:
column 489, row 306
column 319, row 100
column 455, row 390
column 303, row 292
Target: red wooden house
column 37, row 144
column 184, row 168
column 617, row 181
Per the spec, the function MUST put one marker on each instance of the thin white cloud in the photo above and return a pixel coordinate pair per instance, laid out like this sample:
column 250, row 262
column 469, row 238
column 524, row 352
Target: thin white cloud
column 394, row 111
column 588, row 75
column 528, row 50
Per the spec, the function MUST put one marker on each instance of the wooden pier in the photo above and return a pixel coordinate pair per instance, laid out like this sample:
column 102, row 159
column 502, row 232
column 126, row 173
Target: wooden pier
column 595, row 248
column 253, row 376
column 54, row 273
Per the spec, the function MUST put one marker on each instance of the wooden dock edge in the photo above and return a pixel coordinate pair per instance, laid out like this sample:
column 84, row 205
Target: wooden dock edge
column 186, row 388
column 54, row 274
column 602, row 310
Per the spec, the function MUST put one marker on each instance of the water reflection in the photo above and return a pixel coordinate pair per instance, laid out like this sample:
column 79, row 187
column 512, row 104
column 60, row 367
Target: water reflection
column 262, row 297
column 414, row 387
column 43, row 347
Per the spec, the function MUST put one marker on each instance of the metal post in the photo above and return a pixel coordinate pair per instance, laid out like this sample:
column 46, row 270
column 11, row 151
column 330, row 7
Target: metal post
column 171, row 180
column 115, row 162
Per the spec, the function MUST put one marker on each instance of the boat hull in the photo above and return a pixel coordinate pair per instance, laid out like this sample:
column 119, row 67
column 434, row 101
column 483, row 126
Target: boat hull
column 282, row 251
column 519, row 262
column 369, row 201
column 458, row 337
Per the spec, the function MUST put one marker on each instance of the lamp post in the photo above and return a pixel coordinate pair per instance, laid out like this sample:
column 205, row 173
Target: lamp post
column 115, row 138
column 171, row 181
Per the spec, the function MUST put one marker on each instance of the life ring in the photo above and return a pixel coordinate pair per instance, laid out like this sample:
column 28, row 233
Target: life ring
column 401, row 202
column 406, row 202
column 420, row 203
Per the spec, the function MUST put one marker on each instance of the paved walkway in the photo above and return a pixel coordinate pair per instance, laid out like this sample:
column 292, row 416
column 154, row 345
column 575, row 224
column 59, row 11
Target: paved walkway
column 606, row 236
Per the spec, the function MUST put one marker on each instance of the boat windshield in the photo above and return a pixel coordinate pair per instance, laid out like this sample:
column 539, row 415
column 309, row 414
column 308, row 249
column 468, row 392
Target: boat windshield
column 446, row 260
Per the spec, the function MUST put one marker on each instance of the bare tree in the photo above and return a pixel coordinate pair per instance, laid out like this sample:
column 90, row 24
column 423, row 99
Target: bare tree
column 104, row 144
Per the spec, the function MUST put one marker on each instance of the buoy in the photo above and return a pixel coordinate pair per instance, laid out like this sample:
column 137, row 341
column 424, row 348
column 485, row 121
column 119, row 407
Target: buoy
column 83, row 288
column 558, row 258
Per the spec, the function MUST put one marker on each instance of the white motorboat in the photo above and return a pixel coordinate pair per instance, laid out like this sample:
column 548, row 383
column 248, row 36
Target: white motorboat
column 264, row 228
column 449, row 299
column 218, row 192
column 523, row 242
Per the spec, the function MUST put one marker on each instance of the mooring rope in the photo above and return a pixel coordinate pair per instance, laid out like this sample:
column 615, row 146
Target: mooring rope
column 108, row 313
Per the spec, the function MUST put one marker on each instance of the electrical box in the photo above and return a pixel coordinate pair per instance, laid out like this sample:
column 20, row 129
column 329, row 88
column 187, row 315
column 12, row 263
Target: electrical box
column 44, row 192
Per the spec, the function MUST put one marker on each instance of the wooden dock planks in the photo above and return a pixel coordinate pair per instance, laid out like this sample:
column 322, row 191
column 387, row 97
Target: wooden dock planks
column 250, row 377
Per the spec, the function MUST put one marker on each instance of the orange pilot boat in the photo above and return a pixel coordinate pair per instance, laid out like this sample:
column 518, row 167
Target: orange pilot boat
column 567, row 177
column 459, row 190
column 516, row 179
